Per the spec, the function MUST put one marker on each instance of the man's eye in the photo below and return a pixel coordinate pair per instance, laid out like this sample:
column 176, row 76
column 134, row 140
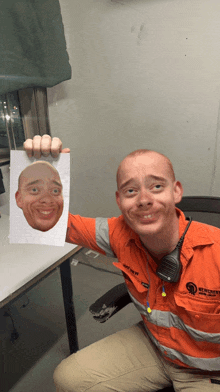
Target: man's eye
column 34, row 190
column 56, row 191
column 158, row 187
column 130, row 191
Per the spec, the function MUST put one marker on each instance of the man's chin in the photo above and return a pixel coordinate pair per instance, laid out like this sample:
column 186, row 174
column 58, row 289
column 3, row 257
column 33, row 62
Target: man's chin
column 41, row 227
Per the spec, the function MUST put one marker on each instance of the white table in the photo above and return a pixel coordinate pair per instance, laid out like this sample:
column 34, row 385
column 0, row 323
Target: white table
column 23, row 265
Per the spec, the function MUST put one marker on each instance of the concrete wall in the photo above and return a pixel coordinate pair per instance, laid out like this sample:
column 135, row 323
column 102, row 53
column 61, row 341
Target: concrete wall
column 145, row 74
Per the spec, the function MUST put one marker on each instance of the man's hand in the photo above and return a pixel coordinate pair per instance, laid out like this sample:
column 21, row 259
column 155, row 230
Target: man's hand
column 44, row 145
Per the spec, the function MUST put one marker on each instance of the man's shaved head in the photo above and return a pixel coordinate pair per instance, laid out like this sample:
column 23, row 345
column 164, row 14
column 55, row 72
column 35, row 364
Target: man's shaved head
column 30, row 169
column 139, row 152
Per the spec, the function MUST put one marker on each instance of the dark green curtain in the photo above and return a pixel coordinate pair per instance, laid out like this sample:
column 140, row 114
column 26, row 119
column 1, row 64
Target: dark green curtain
column 32, row 45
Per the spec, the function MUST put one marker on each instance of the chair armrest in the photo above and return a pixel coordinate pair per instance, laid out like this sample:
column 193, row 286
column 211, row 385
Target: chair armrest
column 110, row 303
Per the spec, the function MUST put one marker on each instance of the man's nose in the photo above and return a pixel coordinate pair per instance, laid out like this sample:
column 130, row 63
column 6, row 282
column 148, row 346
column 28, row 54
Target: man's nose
column 145, row 198
column 46, row 197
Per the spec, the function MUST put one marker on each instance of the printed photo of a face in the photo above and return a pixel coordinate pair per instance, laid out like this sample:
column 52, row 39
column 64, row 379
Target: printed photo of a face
column 40, row 196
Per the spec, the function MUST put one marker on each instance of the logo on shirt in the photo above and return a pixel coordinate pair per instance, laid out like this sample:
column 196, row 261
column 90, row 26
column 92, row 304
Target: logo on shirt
column 192, row 288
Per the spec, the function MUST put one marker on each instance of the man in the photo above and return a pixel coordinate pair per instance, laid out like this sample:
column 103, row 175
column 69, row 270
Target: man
column 178, row 341
column 39, row 195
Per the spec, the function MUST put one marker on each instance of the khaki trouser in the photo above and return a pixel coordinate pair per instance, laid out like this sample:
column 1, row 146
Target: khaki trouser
column 127, row 361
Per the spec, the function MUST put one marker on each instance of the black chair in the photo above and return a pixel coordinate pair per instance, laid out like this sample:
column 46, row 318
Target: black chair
column 204, row 209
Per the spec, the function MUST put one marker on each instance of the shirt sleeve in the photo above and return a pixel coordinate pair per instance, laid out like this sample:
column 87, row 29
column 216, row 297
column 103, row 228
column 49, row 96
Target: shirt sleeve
column 92, row 233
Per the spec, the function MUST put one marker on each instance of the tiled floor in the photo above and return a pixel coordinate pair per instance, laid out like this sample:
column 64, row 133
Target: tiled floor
column 29, row 362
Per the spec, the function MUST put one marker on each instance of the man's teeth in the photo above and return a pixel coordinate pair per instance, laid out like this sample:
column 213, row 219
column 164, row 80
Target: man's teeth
column 147, row 216
column 45, row 212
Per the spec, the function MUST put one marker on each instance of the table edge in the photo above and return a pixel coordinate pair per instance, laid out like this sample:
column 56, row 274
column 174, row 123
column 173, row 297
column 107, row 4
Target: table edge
column 39, row 277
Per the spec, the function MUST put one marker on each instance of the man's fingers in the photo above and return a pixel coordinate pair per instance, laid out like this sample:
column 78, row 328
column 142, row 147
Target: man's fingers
column 45, row 145
column 65, row 150
column 56, row 147
column 28, row 146
column 37, row 146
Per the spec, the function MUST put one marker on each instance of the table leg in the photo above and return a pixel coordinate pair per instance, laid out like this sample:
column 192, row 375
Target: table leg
column 66, row 280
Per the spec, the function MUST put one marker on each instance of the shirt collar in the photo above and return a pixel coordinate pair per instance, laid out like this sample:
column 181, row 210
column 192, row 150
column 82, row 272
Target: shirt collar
column 200, row 233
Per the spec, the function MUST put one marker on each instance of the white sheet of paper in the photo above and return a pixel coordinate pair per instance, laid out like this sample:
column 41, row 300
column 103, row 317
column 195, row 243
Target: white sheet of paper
column 20, row 231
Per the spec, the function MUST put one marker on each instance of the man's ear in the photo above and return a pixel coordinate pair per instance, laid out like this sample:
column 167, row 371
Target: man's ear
column 118, row 199
column 178, row 192
column 18, row 199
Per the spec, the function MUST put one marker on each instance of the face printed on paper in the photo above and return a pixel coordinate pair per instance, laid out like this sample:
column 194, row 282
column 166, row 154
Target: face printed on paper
column 40, row 196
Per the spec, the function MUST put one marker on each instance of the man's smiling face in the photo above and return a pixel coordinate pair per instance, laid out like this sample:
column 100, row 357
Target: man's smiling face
column 40, row 195
column 147, row 194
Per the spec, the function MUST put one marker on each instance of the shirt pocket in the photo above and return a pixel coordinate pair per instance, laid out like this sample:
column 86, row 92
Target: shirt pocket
column 199, row 314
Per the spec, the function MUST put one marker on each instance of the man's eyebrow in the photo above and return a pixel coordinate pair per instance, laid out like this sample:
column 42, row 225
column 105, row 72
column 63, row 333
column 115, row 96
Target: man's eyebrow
column 57, row 183
column 151, row 177
column 158, row 178
column 126, row 183
column 37, row 181
column 32, row 183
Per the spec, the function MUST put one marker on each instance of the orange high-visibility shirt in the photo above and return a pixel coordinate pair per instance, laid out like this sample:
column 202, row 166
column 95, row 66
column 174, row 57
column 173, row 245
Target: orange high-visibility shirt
column 185, row 324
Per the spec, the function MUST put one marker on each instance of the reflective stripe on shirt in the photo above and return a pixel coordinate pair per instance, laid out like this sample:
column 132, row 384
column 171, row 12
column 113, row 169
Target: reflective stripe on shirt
column 210, row 364
column 141, row 308
column 168, row 319
column 102, row 236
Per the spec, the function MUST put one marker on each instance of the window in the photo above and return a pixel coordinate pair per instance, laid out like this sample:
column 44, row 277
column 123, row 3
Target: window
column 23, row 114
